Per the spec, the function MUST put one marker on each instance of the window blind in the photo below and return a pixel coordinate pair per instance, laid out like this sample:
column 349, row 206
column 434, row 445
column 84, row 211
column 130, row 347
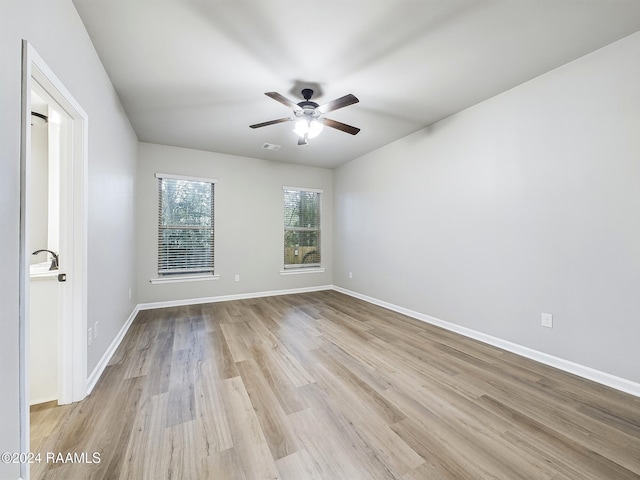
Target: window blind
column 302, row 234
column 185, row 225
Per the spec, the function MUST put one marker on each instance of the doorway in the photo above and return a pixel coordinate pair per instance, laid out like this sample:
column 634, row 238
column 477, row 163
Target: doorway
column 59, row 220
column 48, row 125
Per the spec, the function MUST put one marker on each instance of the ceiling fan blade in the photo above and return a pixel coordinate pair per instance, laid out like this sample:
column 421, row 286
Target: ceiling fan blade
column 338, row 103
column 341, row 126
column 283, row 100
column 270, row 122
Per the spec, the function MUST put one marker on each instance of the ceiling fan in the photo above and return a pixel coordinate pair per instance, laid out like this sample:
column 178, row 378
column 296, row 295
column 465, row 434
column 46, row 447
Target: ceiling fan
column 309, row 116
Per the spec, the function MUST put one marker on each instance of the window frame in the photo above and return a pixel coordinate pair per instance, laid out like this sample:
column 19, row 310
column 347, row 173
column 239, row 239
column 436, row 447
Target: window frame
column 301, row 267
column 185, row 276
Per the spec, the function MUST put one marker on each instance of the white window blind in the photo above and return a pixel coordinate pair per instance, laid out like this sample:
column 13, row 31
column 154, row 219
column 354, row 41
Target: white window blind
column 185, row 225
column 302, row 235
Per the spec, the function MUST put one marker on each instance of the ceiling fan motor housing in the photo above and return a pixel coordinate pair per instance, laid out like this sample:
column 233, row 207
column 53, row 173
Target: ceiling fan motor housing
column 308, row 107
column 308, row 111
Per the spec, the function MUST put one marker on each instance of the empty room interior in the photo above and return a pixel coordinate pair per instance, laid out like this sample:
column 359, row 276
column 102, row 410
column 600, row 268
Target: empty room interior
column 320, row 240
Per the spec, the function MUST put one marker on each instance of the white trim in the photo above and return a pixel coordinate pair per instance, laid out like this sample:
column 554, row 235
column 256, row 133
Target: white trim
column 298, row 271
column 226, row 298
column 589, row 373
column 106, row 356
column 303, row 189
column 184, row 278
column 185, row 177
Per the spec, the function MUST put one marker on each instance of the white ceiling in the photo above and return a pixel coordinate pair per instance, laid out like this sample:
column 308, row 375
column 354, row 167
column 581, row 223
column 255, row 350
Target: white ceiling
column 193, row 73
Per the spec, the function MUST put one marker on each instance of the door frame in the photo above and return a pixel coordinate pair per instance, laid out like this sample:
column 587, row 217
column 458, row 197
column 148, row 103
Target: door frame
column 72, row 385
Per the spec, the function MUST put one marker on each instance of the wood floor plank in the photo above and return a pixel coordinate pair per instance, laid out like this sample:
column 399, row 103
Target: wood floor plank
column 147, row 438
column 248, row 437
column 559, row 446
column 364, row 394
column 213, row 424
column 144, row 352
column 182, row 400
column 221, row 355
column 283, row 388
column 233, row 334
column 273, row 420
column 299, row 465
column 324, row 386
column 226, row 465
column 180, row 451
column 159, row 369
column 394, row 452
column 337, row 451
column 602, row 438
column 470, row 450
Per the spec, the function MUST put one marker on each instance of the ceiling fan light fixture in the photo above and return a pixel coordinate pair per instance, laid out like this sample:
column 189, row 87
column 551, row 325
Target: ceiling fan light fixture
column 309, row 128
column 315, row 127
column 301, row 127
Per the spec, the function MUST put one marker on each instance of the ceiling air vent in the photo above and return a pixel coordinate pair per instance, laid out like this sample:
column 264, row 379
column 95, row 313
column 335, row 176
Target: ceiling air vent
column 271, row 146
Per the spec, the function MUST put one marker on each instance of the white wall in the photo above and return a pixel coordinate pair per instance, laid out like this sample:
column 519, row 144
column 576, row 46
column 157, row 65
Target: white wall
column 39, row 193
column 526, row 203
column 248, row 222
column 56, row 32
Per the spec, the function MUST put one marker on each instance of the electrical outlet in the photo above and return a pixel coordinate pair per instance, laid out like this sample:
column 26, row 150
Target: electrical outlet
column 350, row 274
column 237, row 278
column 546, row 320
column 90, row 336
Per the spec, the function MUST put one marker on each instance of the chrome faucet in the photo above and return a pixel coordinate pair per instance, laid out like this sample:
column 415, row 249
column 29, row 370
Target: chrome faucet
column 54, row 258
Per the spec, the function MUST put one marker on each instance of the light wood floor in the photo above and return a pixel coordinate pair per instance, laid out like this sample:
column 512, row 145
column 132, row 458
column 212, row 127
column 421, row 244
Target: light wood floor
column 324, row 386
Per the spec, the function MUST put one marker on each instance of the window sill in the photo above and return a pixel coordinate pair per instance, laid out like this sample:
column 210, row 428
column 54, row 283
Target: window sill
column 184, row 278
column 298, row 271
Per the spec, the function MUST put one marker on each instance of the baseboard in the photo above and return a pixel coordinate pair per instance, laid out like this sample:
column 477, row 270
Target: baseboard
column 226, row 298
column 106, row 357
column 589, row 373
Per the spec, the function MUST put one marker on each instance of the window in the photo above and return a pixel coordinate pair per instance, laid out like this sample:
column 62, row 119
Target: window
column 185, row 225
column 302, row 213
